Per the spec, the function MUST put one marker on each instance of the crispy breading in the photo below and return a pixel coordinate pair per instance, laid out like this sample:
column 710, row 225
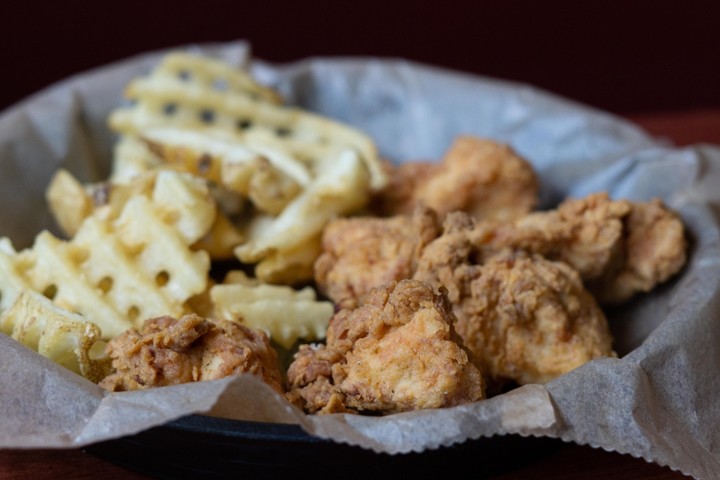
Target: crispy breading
column 397, row 352
column 525, row 318
column 619, row 247
column 655, row 249
column 486, row 179
column 366, row 252
column 166, row 351
column 587, row 233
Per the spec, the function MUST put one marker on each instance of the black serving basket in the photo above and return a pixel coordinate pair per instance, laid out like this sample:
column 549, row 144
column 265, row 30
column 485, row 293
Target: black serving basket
column 201, row 447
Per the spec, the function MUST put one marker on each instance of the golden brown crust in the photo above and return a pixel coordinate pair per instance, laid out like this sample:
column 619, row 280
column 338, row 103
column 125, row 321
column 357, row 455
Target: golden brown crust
column 397, row 352
column 655, row 249
column 525, row 318
column 166, row 351
column 485, row 179
column 618, row 247
column 362, row 253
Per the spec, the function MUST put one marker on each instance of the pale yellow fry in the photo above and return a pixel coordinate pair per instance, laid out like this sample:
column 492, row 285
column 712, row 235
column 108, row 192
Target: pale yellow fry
column 269, row 189
column 225, row 296
column 69, row 202
column 204, row 150
column 338, row 190
column 221, row 240
column 185, row 201
column 161, row 251
column 292, row 266
column 131, row 158
column 215, row 74
column 118, row 279
column 62, row 336
column 56, row 268
column 12, row 282
column 286, row 321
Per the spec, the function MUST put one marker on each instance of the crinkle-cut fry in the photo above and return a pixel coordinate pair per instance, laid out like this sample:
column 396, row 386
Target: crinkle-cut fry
column 338, row 190
column 12, row 282
column 163, row 100
column 224, row 295
column 66, row 338
column 292, row 266
column 286, row 315
column 69, row 201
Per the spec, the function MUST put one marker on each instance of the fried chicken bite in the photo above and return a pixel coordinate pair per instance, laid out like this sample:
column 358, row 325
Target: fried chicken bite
column 361, row 253
column 619, row 247
column 480, row 177
column 166, row 351
column 397, row 352
column 525, row 318
column 654, row 250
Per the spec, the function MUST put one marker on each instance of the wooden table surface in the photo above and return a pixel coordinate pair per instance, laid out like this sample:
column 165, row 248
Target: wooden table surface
column 568, row 462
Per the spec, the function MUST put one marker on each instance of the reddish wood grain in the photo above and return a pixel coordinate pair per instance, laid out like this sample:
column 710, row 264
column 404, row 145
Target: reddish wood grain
column 684, row 127
column 570, row 462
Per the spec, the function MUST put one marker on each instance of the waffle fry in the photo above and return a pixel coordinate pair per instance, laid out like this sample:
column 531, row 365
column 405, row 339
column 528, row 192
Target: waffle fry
column 240, row 138
column 178, row 100
column 64, row 337
column 215, row 74
column 130, row 260
column 339, row 189
column 12, row 282
column 284, row 313
column 69, row 202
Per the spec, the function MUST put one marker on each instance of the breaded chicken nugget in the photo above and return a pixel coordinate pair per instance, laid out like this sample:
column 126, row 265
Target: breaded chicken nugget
column 396, row 352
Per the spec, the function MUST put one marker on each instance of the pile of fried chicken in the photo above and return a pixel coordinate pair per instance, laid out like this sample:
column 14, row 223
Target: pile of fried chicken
column 451, row 288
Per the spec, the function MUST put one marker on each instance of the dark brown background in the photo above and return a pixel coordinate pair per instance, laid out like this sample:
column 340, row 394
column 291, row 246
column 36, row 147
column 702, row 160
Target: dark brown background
column 621, row 56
